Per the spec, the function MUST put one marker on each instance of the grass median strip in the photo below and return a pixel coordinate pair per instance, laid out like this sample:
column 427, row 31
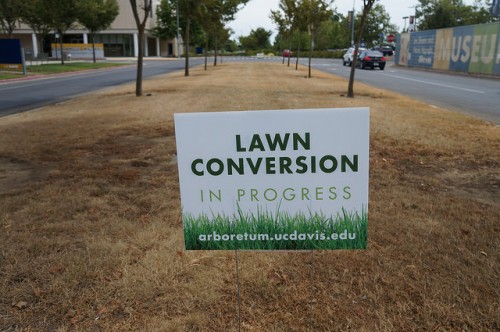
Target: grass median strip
column 91, row 235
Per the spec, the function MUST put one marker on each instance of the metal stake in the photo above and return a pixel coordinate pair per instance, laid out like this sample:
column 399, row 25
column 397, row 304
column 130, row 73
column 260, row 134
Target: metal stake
column 238, row 289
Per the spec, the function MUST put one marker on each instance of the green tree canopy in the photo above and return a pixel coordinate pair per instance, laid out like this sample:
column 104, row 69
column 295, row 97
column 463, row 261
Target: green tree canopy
column 63, row 14
column 37, row 15
column 378, row 22
column 258, row 39
column 312, row 13
column 10, row 13
column 166, row 20
column 97, row 15
column 437, row 14
column 285, row 17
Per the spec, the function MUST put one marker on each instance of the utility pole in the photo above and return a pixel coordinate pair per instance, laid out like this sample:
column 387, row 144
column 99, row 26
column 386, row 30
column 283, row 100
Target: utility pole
column 177, row 38
column 352, row 27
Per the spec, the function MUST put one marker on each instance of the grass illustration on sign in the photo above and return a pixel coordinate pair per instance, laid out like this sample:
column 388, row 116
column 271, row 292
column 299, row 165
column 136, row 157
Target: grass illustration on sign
column 274, row 180
column 280, row 231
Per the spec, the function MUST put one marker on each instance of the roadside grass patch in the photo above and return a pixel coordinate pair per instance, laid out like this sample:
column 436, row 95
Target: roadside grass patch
column 70, row 67
column 8, row 76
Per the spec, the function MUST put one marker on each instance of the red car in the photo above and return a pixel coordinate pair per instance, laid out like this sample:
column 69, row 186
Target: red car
column 287, row 53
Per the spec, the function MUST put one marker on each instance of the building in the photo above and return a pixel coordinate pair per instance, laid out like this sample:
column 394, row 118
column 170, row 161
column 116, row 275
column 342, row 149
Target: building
column 120, row 40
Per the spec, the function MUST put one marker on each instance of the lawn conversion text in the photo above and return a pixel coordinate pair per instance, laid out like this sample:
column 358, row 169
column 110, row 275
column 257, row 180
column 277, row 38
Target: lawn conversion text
column 274, row 165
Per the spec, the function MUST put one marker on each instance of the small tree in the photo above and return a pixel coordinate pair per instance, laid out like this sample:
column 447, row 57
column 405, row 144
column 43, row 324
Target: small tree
column 210, row 21
column 97, row 15
column 166, row 21
column 189, row 10
column 367, row 6
column 63, row 14
column 228, row 8
column 145, row 8
column 285, row 18
column 37, row 15
column 315, row 12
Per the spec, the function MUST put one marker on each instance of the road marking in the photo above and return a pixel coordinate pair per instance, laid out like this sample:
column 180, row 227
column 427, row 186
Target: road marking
column 437, row 84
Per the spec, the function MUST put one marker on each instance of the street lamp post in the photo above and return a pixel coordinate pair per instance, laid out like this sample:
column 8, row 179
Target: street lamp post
column 352, row 27
column 405, row 18
column 177, row 38
column 413, row 22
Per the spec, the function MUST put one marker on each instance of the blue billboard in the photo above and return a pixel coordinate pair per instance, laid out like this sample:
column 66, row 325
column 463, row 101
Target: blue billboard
column 10, row 51
column 421, row 46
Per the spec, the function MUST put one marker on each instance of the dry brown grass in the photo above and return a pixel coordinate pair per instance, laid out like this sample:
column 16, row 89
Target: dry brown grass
column 91, row 235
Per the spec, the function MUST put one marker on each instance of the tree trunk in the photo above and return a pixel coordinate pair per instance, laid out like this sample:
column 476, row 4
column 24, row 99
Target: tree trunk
column 311, row 46
column 61, row 46
column 206, row 52
column 299, row 46
column 289, row 51
column 186, row 48
column 366, row 10
column 215, row 55
column 140, row 58
column 93, row 47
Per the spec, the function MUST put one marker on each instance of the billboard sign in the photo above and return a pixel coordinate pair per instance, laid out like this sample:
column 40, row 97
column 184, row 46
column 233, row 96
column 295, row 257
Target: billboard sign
column 469, row 49
column 11, row 55
column 274, row 180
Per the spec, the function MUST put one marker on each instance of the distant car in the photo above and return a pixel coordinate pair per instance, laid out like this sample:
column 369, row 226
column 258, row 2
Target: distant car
column 287, row 53
column 384, row 49
column 371, row 59
column 349, row 56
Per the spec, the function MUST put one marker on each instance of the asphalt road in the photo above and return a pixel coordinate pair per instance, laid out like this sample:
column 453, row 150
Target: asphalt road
column 23, row 95
column 479, row 97
column 476, row 96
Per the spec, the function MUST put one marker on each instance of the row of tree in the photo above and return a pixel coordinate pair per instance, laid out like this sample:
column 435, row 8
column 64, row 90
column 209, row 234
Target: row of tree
column 437, row 14
column 44, row 16
column 335, row 31
column 199, row 22
column 301, row 17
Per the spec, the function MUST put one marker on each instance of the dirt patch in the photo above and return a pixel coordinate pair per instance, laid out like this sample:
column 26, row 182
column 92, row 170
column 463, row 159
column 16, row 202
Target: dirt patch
column 16, row 175
column 481, row 185
column 91, row 235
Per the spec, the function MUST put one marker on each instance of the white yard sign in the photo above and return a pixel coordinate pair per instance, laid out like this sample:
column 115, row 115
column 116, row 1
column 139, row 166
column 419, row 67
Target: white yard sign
column 272, row 180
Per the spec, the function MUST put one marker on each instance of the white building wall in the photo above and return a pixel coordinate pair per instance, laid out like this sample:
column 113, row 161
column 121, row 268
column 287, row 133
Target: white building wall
column 123, row 24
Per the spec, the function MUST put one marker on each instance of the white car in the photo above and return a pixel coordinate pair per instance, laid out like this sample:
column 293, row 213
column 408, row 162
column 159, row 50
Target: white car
column 349, row 55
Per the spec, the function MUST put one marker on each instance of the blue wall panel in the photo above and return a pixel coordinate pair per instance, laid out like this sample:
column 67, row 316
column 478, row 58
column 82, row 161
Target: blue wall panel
column 10, row 51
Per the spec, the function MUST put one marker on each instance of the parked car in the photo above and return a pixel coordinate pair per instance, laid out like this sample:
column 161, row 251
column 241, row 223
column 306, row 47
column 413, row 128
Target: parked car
column 287, row 53
column 384, row 49
column 371, row 59
column 349, row 55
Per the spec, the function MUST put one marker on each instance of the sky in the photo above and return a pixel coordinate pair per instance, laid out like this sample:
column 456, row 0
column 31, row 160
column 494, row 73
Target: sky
column 256, row 13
